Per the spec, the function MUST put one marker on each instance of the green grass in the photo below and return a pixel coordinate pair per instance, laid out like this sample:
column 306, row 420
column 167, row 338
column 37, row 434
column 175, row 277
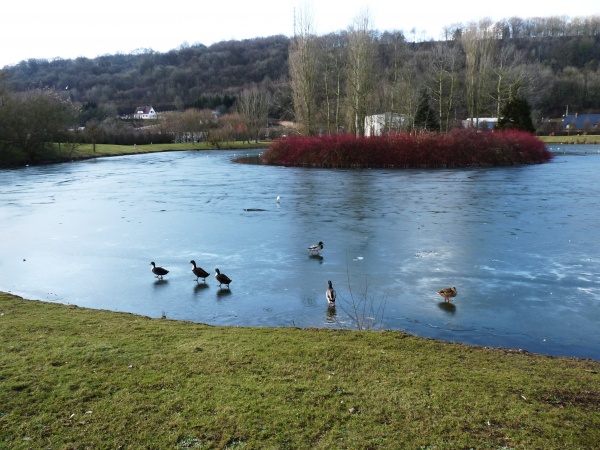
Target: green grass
column 61, row 153
column 573, row 139
column 79, row 378
column 86, row 150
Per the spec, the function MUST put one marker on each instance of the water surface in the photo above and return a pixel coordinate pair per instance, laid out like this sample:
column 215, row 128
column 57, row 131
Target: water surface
column 519, row 243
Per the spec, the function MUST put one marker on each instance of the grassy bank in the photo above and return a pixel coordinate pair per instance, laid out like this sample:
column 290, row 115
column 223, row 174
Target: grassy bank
column 459, row 148
column 77, row 378
column 576, row 139
column 86, row 151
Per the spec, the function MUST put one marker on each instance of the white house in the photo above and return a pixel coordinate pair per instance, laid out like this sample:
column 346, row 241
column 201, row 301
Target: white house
column 144, row 112
column 487, row 123
column 377, row 124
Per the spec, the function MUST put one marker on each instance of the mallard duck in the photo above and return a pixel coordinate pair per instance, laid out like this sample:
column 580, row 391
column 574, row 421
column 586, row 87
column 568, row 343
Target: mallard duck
column 316, row 248
column 447, row 293
column 330, row 294
column 222, row 278
column 158, row 271
column 199, row 271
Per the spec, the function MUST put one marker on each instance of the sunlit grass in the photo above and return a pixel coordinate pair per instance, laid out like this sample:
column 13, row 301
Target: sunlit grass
column 79, row 378
column 573, row 139
column 87, row 151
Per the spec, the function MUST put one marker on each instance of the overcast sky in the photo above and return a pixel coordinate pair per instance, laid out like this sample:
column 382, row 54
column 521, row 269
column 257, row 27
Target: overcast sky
column 71, row 28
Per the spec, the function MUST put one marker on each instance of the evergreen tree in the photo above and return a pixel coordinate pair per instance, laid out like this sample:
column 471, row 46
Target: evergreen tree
column 516, row 115
column 425, row 117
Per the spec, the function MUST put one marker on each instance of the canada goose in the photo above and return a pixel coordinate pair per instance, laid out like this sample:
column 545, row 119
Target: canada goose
column 158, row 271
column 316, row 248
column 199, row 271
column 330, row 294
column 222, row 278
column 447, row 293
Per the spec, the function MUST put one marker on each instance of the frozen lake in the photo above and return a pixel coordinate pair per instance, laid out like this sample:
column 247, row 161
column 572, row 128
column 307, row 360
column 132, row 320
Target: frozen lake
column 520, row 244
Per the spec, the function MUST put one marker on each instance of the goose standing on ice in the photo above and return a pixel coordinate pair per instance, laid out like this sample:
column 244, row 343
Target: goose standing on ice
column 159, row 272
column 199, row 272
column 222, row 278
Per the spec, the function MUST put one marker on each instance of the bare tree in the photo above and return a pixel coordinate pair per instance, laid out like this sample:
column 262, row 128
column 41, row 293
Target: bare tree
column 333, row 51
column 479, row 47
column 303, row 71
column 392, row 95
column 94, row 132
column 409, row 88
column 443, row 72
column 234, row 127
column 3, row 89
column 511, row 76
column 362, row 71
column 190, row 125
column 253, row 105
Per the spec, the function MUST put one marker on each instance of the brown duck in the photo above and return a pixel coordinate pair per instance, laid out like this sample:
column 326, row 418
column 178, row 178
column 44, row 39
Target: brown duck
column 447, row 293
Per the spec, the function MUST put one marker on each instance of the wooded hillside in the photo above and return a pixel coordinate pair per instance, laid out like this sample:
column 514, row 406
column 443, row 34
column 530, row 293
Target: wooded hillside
column 561, row 57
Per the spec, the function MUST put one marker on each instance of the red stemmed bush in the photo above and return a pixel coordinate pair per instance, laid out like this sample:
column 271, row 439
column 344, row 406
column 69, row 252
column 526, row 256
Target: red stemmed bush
column 459, row 148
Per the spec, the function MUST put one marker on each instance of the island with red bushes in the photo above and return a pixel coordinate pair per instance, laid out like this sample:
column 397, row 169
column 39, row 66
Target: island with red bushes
column 458, row 148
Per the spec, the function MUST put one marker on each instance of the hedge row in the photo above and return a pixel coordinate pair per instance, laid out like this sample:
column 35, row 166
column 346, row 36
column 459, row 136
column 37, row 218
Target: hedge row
column 459, row 148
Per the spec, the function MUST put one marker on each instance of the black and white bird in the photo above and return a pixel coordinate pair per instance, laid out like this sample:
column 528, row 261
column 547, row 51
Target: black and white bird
column 159, row 272
column 199, row 272
column 222, row 278
column 316, row 249
column 447, row 293
column 330, row 294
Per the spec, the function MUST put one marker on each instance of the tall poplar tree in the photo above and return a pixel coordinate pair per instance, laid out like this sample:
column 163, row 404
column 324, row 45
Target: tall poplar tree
column 303, row 71
column 362, row 71
column 479, row 46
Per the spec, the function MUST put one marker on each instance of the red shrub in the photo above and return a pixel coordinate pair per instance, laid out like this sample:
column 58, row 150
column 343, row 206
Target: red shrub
column 459, row 148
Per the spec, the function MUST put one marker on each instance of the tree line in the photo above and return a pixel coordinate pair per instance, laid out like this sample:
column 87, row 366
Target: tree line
column 190, row 76
column 482, row 68
column 326, row 84
column 565, row 50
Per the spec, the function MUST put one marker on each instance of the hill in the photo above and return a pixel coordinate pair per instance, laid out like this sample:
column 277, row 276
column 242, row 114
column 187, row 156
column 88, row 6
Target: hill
column 192, row 76
column 559, row 61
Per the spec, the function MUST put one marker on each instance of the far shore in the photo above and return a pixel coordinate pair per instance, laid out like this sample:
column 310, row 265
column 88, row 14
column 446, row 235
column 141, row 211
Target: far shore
column 573, row 139
column 86, row 151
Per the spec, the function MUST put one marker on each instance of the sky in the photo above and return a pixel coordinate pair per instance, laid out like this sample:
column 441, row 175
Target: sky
column 43, row 29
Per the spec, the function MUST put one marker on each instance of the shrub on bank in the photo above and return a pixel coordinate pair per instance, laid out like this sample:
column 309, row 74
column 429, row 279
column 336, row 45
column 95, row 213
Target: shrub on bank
column 459, row 148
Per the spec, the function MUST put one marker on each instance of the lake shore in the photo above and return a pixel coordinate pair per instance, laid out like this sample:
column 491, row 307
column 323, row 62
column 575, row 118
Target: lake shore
column 105, row 150
column 88, row 378
column 571, row 140
column 86, row 151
